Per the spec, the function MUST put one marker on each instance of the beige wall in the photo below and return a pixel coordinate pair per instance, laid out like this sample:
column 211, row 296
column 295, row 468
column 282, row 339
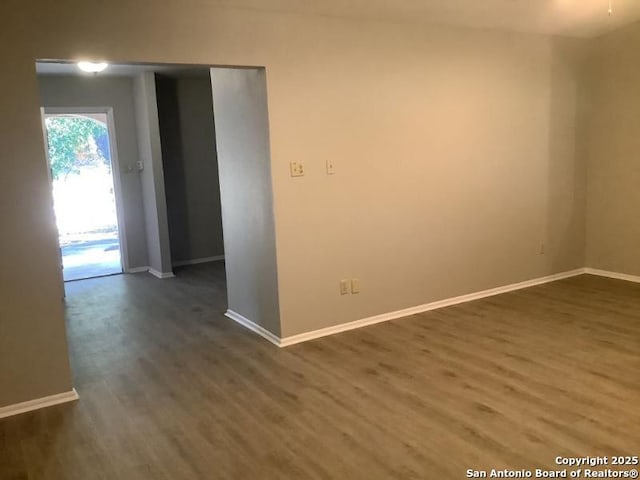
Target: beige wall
column 455, row 155
column 612, row 145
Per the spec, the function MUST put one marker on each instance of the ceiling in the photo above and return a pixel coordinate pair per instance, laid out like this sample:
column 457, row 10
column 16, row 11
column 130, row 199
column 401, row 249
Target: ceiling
column 576, row 18
column 64, row 68
column 572, row 18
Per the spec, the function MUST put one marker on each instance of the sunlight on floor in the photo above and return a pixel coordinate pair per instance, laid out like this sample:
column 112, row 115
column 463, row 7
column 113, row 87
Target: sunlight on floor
column 91, row 259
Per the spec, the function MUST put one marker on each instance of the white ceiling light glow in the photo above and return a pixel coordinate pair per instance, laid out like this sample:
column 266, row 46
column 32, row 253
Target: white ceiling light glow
column 92, row 67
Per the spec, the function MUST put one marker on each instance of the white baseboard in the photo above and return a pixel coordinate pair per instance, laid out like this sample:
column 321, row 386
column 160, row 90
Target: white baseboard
column 254, row 327
column 303, row 337
column 196, row 261
column 137, row 269
column 158, row 274
column 616, row 275
column 38, row 403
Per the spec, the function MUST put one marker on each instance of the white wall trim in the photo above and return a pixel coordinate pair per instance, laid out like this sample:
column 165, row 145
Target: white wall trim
column 38, row 403
column 254, row 327
column 303, row 337
column 196, row 261
column 158, row 274
column 616, row 275
column 137, row 269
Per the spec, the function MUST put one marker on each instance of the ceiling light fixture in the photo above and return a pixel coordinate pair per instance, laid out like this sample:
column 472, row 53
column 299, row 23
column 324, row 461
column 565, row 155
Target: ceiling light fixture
column 92, row 67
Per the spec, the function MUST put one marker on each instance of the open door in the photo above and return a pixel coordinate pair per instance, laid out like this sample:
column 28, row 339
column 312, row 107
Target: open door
column 80, row 153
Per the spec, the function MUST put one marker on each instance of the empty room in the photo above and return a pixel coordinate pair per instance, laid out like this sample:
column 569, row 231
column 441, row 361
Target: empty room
column 320, row 240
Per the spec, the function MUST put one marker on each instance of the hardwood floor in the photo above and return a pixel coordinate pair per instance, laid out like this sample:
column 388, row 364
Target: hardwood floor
column 171, row 389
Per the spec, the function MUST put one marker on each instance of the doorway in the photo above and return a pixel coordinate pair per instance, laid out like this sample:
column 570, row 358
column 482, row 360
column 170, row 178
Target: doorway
column 80, row 150
column 168, row 184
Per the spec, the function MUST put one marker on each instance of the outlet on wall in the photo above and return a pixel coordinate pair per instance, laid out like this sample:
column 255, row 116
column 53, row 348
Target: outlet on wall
column 542, row 249
column 355, row 285
column 344, row 287
column 331, row 168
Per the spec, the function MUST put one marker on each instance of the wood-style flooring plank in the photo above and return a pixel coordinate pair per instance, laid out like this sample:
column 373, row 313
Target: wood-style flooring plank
column 171, row 389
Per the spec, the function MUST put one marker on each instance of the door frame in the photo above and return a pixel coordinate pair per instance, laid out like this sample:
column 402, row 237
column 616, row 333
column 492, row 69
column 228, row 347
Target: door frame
column 115, row 167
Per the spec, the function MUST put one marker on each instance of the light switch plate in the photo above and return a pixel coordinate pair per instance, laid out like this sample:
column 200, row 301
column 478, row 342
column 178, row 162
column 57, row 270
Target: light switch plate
column 297, row 169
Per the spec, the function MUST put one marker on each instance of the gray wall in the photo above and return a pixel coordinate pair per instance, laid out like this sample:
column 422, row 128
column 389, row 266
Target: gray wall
column 76, row 91
column 190, row 164
column 152, row 177
column 240, row 106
